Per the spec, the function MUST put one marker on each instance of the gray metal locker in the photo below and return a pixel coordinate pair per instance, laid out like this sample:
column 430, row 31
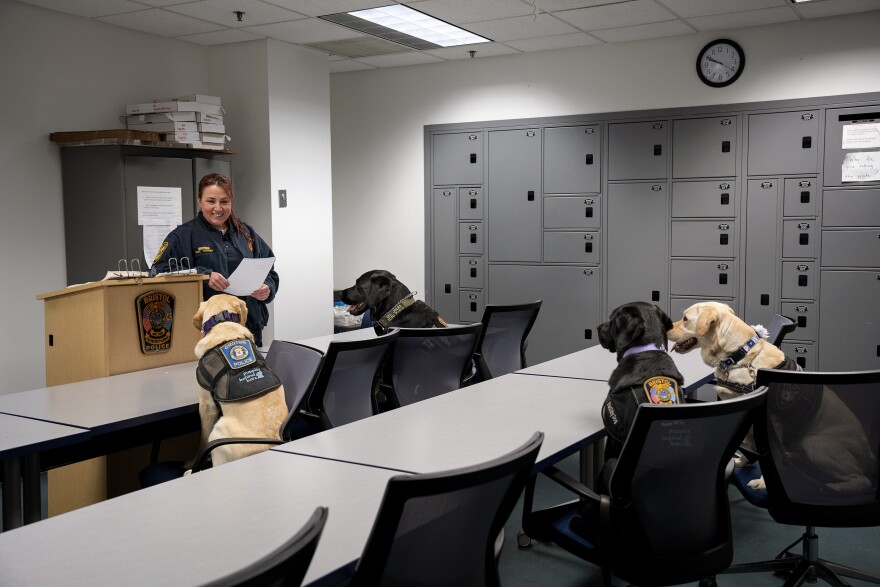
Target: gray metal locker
column 457, row 158
column 471, row 273
column 715, row 278
column 572, row 212
column 444, row 253
column 799, row 280
column 849, row 315
column 859, row 207
column 704, row 147
column 704, row 238
column 636, row 236
column 704, row 199
column 572, row 247
column 568, row 317
column 800, row 237
column 471, row 306
column 761, row 251
column 784, row 142
column 202, row 167
column 801, row 197
column 638, row 150
column 851, row 248
column 470, row 203
column 836, row 122
column 470, row 238
column 803, row 353
column 572, row 159
column 514, row 194
column 807, row 318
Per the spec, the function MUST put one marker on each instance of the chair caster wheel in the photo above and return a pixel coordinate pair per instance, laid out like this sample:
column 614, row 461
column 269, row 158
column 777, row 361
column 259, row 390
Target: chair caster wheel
column 709, row 582
column 523, row 540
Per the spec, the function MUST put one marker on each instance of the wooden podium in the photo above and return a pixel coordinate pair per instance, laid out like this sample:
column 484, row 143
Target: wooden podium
column 93, row 330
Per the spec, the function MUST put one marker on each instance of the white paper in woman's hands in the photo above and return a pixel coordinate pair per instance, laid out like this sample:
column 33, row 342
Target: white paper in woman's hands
column 250, row 275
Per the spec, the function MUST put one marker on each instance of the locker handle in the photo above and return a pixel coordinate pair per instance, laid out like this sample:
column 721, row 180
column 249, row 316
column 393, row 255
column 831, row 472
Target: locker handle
column 588, row 247
column 723, row 239
column 766, row 185
column 588, row 212
column 658, row 150
column 805, row 197
column 588, row 333
column 472, row 192
column 447, row 288
column 800, row 308
column 473, row 203
column 588, row 201
column 473, row 306
column 806, row 142
column 804, row 238
column 722, row 278
column 655, row 295
column 725, row 199
column 765, row 299
column 473, row 261
column 805, row 184
column 473, row 157
column 589, row 160
column 531, row 196
column 473, row 238
column 802, row 281
column 724, row 186
column 723, row 226
column 473, row 271
column 725, row 146
column 802, row 321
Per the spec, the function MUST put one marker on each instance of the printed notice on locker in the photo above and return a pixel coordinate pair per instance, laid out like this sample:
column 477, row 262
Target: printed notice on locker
column 865, row 135
column 861, row 166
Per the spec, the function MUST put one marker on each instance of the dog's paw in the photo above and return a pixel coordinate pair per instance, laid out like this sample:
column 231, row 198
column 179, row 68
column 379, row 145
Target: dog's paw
column 758, row 484
column 187, row 472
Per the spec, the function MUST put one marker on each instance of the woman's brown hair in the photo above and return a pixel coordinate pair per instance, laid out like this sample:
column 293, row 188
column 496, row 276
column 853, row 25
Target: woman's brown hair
column 223, row 183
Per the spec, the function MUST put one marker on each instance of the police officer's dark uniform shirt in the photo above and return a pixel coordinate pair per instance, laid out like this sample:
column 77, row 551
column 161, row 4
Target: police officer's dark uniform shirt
column 209, row 250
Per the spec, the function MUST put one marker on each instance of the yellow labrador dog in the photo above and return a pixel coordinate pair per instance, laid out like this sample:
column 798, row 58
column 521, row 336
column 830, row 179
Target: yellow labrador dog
column 239, row 396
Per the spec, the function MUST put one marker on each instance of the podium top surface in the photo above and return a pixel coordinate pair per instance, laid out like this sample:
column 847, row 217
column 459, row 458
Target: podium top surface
column 122, row 282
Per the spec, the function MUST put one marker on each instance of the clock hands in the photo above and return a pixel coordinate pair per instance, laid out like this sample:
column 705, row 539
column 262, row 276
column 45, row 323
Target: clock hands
column 713, row 60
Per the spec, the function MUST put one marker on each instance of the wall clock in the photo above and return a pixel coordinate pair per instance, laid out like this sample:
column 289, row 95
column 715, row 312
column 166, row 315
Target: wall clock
column 720, row 63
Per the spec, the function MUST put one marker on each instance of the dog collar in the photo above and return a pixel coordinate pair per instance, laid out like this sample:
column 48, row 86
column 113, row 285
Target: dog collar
column 224, row 316
column 390, row 315
column 741, row 352
column 634, row 350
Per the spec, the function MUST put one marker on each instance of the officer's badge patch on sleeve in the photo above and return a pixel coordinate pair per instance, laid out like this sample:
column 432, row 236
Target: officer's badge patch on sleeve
column 238, row 353
column 155, row 310
column 159, row 254
column 662, row 390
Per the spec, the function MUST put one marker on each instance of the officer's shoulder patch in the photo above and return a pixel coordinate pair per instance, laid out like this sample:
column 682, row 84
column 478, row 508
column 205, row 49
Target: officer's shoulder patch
column 662, row 390
column 238, row 353
column 159, row 254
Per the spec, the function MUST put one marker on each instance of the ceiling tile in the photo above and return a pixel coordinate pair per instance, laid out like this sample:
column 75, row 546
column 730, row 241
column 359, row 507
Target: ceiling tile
column 521, row 27
column 738, row 20
column 411, row 58
column 310, row 30
column 322, row 7
column 820, row 9
column 690, row 8
column 618, row 15
column 463, row 11
column 548, row 43
column 462, row 51
column 653, row 30
column 359, row 47
column 347, row 65
column 160, row 3
column 88, row 8
column 221, row 37
column 554, row 5
column 161, row 22
column 223, row 12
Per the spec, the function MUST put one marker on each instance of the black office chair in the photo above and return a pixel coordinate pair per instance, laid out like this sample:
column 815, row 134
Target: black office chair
column 286, row 566
column 666, row 518
column 441, row 528
column 427, row 362
column 780, row 326
column 819, row 439
column 502, row 346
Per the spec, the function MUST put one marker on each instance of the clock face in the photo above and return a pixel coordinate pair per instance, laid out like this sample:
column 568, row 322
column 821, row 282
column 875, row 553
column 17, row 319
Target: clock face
column 720, row 63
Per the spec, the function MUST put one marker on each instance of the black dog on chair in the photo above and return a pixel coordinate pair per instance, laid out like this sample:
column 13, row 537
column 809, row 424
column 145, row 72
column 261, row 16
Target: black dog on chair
column 390, row 302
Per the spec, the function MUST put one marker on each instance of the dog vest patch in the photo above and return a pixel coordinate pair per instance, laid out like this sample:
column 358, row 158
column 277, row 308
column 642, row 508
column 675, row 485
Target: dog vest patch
column 235, row 371
column 662, row 390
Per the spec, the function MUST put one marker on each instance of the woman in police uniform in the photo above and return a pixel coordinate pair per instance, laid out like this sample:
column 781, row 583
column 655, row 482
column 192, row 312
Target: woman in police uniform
column 215, row 242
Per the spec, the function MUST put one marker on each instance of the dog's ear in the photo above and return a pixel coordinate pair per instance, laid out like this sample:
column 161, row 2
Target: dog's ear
column 665, row 320
column 380, row 283
column 242, row 310
column 706, row 320
column 197, row 319
column 605, row 338
column 627, row 326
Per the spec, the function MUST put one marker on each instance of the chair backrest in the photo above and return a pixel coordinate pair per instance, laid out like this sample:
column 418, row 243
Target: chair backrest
column 502, row 346
column 427, row 362
column 286, row 566
column 343, row 391
column 440, row 528
column 820, row 439
column 669, row 516
column 297, row 366
column 779, row 327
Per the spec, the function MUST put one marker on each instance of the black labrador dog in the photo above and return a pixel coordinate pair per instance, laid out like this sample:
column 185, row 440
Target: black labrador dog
column 390, row 302
column 645, row 372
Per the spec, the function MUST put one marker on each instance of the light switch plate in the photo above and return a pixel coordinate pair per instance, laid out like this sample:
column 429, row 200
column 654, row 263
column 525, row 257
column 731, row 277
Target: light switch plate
column 282, row 198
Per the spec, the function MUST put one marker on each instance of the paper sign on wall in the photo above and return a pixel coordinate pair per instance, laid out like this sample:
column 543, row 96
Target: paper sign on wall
column 159, row 205
column 861, row 136
column 861, row 166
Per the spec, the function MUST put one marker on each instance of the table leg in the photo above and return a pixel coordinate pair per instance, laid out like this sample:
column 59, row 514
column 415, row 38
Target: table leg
column 11, row 494
column 30, row 473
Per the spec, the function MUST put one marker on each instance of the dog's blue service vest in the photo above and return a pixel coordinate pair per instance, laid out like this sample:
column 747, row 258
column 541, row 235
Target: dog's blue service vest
column 235, row 371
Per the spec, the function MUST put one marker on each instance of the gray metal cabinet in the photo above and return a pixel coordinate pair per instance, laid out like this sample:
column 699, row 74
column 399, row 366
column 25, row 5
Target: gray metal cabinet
column 849, row 123
column 851, row 248
column 471, row 273
column 851, row 208
column 801, row 197
column 849, row 317
column 800, row 238
column 704, row 238
column 638, row 150
column 572, row 247
column 799, row 279
column 572, row 159
column 804, row 354
column 637, row 238
column 572, row 212
column 100, row 186
column 805, row 314
column 761, row 251
column 514, row 195
column 457, row 158
column 568, row 317
column 470, row 203
column 704, row 199
column 704, row 147
column 471, row 306
column 470, row 238
column 784, row 143
column 444, row 252
column 712, row 279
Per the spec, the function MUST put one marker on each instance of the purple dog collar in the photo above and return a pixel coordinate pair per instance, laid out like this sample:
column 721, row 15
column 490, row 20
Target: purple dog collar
column 224, row 316
column 642, row 349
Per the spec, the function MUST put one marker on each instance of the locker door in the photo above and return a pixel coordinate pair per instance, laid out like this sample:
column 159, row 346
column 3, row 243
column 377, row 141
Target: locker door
column 704, row 147
column 514, row 195
column 457, row 158
column 445, row 253
column 784, row 142
column 572, row 160
column 637, row 150
column 848, row 319
column 762, row 224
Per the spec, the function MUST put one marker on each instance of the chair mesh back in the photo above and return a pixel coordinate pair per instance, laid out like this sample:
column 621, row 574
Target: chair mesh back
column 297, row 366
column 349, row 393
column 824, row 439
column 779, row 327
column 503, row 341
column 427, row 366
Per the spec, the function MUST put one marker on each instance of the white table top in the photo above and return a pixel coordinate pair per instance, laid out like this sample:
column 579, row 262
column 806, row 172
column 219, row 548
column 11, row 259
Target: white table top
column 322, row 342
column 597, row 363
column 469, row 426
column 109, row 403
column 202, row 527
column 19, row 436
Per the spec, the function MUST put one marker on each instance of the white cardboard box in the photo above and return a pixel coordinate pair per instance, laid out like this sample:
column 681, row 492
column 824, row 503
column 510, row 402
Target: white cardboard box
column 163, row 117
column 208, row 127
column 204, row 99
column 183, row 137
column 150, row 107
column 166, row 126
column 211, row 137
column 198, row 145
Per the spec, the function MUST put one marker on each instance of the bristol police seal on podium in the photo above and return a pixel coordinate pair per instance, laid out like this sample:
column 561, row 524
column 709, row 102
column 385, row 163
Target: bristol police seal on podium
column 155, row 312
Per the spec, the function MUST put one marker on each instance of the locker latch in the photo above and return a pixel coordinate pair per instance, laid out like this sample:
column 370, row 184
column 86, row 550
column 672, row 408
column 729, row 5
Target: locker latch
column 590, row 272
column 803, row 267
column 807, row 116
column 726, row 122
column 800, row 308
column 805, row 184
column 803, row 225
column 472, row 193
column 472, row 137
column 723, row 266
column 724, row 186
column 656, row 188
column 723, row 226
column 657, row 126
column 589, row 130
column 530, row 133
column 766, row 185
column 473, row 261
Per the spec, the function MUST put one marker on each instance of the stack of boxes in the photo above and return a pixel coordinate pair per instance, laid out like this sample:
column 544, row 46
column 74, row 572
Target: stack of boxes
column 194, row 121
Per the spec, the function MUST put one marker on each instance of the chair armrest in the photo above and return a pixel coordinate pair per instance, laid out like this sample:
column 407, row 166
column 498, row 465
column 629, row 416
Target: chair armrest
column 202, row 458
column 570, row 483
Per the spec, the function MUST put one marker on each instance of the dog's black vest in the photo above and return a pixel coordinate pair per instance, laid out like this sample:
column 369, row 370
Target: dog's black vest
column 235, row 371
column 787, row 365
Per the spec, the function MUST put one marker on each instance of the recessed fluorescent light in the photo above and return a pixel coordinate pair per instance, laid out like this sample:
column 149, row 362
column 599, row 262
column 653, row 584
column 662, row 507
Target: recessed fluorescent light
column 406, row 26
